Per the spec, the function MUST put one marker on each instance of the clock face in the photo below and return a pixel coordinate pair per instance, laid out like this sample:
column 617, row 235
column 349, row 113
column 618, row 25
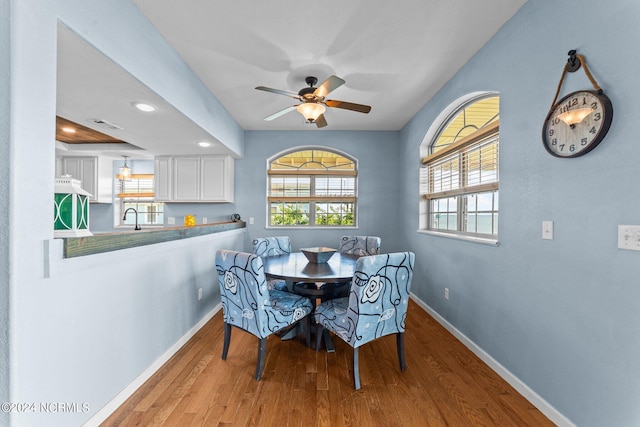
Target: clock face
column 577, row 123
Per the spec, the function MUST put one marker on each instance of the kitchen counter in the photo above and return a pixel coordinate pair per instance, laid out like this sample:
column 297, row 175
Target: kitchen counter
column 106, row 242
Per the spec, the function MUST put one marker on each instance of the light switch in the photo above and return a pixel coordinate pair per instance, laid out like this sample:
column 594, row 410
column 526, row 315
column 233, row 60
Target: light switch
column 547, row 230
column 629, row 237
column 171, row 220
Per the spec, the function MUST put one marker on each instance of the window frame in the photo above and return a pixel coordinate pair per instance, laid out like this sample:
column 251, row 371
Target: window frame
column 456, row 152
column 312, row 199
column 137, row 198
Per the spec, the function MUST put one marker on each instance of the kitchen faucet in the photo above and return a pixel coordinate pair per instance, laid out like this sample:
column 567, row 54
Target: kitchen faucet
column 124, row 218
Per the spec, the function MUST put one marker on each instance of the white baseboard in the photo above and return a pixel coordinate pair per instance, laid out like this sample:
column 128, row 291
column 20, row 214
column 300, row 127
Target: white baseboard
column 542, row 405
column 121, row 397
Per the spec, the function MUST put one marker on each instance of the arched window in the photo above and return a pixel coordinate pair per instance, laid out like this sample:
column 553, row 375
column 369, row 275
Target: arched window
column 460, row 169
column 312, row 187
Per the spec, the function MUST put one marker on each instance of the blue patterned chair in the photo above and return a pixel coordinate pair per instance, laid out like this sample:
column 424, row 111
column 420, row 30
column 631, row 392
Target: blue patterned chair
column 248, row 304
column 360, row 245
column 272, row 246
column 376, row 305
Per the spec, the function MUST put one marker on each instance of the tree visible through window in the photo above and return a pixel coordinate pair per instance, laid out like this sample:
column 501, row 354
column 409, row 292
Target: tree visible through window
column 312, row 187
column 459, row 176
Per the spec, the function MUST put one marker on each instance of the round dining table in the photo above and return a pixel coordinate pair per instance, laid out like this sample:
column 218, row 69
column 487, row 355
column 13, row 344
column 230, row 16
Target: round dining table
column 295, row 268
column 312, row 280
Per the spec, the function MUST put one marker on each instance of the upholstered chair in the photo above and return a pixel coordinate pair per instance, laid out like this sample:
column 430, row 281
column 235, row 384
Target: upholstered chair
column 376, row 305
column 360, row 245
column 248, row 304
column 272, row 246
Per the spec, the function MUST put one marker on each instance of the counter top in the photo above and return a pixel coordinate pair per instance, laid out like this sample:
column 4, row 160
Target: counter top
column 105, row 242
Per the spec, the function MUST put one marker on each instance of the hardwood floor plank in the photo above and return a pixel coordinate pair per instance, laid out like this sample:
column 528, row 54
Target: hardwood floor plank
column 445, row 384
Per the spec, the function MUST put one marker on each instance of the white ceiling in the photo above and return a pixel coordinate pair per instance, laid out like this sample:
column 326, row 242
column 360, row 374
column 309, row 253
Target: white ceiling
column 394, row 56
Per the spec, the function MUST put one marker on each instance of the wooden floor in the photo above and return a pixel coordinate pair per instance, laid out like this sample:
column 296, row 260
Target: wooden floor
column 445, row 384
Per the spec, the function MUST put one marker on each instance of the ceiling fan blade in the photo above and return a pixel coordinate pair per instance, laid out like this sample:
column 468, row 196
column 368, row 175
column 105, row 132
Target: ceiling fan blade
column 280, row 113
column 348, row 106
column 279, row 92
column 321, row 121
column 331, row 84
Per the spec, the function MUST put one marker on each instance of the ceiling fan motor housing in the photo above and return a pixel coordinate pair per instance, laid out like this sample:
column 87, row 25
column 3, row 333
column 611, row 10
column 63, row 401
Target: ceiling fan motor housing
column 307, row 92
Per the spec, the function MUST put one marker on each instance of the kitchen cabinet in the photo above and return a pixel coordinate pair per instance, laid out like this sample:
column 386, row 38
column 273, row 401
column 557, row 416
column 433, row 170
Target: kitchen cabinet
column 194, row 179
column 94, row 172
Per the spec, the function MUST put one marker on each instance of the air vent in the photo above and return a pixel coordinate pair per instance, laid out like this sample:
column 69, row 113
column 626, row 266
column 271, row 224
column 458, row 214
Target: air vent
column 105, row 124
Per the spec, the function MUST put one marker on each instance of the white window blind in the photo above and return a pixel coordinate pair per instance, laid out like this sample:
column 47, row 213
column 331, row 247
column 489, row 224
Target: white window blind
column 140, row 185
column 473, row 167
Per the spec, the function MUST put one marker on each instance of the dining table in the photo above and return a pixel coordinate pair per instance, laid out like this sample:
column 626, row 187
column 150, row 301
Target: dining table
column 320, row 278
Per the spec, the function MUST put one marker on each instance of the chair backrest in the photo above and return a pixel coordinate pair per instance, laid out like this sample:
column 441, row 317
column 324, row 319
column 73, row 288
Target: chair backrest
column 379, row 297
column 271, row 246
column 360, row 245
column 243, row 290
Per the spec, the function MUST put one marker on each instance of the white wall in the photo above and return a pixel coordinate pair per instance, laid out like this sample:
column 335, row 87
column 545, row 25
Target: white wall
column 561, row 315
column 5, row 180
column 83, row 336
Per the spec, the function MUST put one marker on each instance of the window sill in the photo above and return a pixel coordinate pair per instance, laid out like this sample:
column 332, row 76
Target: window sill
column 473, row 239
column 312, row 227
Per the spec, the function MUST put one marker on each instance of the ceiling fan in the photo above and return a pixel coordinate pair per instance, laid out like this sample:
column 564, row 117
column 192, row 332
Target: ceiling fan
column 313, row 100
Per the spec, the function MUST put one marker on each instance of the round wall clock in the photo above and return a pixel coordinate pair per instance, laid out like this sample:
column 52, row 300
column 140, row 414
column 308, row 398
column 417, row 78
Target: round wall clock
column 577, row 123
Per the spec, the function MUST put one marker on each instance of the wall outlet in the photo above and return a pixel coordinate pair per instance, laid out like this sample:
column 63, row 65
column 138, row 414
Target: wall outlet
column 250, row 220
column 199, row 294
column 204, row 219
column 446, row 293
column 547, row 230
column 171, row 220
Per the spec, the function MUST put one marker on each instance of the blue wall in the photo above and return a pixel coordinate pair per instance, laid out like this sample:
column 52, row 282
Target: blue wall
column 561, row 315
column 377, row 155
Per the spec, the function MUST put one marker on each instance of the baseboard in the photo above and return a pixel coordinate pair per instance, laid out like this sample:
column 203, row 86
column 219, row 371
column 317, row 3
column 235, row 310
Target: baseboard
column 543, row 406
column 121, row 397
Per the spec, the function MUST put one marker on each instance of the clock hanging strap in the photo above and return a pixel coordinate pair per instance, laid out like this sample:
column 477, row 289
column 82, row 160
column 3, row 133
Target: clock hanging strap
column 586, row 71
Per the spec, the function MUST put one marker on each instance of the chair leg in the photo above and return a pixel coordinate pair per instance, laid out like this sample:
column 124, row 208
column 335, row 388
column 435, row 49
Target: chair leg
column 227, row 340
column 356, row 369
column 262, row 353
column 319, row 333
column 400, row 344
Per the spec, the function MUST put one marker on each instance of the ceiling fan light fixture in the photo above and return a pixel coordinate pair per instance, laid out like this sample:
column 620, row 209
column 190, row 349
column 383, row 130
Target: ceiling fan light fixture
column 311, row 110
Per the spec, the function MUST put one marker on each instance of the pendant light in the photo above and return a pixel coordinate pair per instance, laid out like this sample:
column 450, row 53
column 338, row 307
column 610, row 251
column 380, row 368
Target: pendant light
column 125, row 171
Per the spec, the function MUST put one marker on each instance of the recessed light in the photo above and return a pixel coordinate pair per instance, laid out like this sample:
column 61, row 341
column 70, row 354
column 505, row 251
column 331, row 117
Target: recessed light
column 204, row 144
column 144, row 107
column 68, row 130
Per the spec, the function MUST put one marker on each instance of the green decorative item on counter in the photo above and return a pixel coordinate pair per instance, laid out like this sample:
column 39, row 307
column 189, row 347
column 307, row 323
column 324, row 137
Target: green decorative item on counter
column 71, row 209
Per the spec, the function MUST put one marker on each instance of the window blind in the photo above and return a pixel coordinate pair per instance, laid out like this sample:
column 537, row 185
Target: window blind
column 472, row 168
column 140, row 185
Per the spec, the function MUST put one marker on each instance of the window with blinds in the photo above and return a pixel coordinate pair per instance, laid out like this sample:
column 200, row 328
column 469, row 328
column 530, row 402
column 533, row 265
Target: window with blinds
column 459, row 180
column 314, row 188
column 138, row 193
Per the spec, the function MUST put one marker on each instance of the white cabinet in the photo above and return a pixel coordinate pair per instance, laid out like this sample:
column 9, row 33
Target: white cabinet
column 95, row 174
column 216, row 178
column 194, row 179
column 162, row 178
